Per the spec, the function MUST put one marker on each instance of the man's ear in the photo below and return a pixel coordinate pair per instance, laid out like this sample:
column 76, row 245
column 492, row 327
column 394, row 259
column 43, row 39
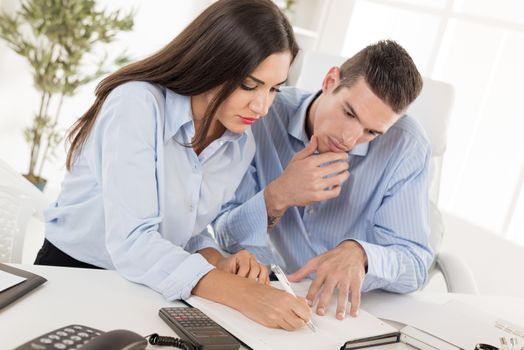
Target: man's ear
column 331, row 80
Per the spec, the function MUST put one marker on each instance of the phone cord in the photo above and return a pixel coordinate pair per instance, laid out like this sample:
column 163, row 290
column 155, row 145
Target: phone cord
column 155, row 339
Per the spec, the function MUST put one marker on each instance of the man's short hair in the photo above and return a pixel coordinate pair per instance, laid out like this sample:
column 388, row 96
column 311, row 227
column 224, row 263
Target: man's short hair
column 388, row 70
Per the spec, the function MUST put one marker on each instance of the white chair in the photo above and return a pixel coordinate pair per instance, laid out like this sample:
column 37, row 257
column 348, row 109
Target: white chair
column 19, row 201
column 432, row 109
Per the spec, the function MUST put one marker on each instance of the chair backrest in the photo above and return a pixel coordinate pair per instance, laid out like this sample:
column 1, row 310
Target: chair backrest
column 432, row 109
column 14, row 216
column 19, row 201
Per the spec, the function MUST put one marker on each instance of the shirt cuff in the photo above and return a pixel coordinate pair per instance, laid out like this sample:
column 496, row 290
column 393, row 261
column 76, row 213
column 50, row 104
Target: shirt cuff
column 246, row 224
column 373, row 273
column 180, row 282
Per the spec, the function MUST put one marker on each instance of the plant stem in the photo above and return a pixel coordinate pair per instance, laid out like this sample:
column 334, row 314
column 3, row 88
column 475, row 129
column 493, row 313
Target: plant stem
column 55, row 121
column 36, row 137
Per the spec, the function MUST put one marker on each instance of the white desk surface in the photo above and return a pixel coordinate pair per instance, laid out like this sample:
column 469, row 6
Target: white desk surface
column 104, row 300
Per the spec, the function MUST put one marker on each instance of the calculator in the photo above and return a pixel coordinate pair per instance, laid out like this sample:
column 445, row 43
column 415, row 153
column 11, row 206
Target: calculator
column 193, row 326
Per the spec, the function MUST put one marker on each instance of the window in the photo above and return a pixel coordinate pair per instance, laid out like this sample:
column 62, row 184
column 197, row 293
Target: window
column 478, row 46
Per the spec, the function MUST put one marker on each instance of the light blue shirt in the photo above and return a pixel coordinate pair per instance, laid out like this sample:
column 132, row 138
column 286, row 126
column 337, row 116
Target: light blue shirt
column 137, row 200
column 383, row 206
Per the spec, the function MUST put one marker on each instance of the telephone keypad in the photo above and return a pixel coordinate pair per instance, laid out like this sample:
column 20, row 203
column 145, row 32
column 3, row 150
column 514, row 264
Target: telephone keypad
column 65, row 338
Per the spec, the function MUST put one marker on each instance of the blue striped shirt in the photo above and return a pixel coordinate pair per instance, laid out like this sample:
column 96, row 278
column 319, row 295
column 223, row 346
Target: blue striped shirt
column 383, row 205
column 137, row 200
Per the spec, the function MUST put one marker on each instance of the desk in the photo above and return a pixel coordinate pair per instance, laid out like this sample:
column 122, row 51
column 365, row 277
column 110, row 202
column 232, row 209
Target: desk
column 104, row 300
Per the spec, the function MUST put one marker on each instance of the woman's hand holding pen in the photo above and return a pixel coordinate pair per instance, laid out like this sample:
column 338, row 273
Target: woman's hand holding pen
column 274, row 308
column 262, row 303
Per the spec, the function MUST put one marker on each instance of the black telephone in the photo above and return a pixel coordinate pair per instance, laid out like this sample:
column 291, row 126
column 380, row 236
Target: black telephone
column 196, row 331
column 70, row 337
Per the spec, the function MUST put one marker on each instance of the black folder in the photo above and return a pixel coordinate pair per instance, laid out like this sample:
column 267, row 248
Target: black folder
column 17, row 291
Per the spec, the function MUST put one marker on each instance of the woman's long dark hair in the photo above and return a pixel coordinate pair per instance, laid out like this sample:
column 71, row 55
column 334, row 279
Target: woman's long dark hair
column 222, row 46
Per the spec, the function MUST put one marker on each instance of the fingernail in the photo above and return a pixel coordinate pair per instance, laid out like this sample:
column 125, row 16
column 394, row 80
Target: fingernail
column 310, row 302
column 321, row 311
column 340, row 315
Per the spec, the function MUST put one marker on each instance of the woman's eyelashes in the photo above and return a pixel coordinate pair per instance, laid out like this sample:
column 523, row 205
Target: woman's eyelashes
column 249, row 87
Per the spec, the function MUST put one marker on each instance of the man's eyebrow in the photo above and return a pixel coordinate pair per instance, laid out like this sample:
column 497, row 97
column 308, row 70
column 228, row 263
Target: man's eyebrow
column 261, row 82
column 348, row 106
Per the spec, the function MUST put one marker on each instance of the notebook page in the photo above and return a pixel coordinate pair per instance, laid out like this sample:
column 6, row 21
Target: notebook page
column 331, row 333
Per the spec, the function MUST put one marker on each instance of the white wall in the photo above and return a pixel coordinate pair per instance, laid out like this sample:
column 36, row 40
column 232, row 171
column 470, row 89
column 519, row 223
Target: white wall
column 156, row 23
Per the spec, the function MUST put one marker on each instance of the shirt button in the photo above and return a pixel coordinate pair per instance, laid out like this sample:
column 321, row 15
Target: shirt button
column 191, row 208
column 311, row 211
column 221, row 142
column 195, row 168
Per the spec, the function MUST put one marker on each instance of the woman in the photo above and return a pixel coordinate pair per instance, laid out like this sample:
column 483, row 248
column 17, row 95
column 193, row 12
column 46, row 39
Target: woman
column 164, row 145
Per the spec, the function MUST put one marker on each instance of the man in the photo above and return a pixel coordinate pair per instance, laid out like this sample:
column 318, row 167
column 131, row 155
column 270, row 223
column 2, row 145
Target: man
column 355, row 222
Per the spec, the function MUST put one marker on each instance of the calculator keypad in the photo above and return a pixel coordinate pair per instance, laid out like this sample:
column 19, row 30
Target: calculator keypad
column 190, row 317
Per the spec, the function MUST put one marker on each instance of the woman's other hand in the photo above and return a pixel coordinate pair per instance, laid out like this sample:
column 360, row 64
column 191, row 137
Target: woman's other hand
column 244, row 264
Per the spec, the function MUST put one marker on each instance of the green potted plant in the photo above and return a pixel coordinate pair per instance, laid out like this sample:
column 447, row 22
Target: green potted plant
column 57, row 37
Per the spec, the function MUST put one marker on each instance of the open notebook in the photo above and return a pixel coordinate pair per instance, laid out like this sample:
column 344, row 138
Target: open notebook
column 331, row 333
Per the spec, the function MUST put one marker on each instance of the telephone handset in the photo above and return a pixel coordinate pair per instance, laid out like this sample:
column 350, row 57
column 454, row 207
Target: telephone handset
column 86, row 338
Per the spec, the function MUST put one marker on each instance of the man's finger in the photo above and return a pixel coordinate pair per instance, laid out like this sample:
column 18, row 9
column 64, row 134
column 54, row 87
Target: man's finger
column 336, row 180
column 314, row 288
column 325, row 297
column 310, row 148
column 356, row 286
column 303, row 272
column 332, row 169
column 329, row 157
column 342, row 300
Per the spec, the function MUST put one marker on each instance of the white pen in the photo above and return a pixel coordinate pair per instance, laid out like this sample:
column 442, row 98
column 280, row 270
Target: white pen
column 287, row 287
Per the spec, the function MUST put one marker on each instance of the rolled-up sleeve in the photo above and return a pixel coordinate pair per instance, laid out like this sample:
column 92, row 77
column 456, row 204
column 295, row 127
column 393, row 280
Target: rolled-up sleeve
column 201, row 241
column 129, row 175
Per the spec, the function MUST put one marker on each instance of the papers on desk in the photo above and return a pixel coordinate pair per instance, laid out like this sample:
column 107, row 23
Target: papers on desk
column 8, row 280
column 331, row 333
column 453, row 321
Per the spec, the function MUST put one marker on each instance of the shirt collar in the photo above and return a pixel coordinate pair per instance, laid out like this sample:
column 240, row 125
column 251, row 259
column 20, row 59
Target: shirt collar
column 178, row 114
column 297, row 126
